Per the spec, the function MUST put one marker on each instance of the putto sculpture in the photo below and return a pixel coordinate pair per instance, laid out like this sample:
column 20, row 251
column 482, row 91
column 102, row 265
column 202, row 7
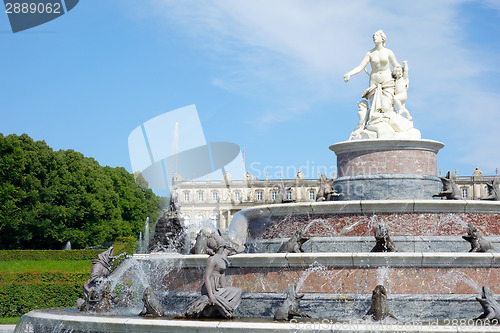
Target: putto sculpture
column 379, row 309
column 477, row 242
column 387, row 88
column 217, row 299
column 294, row 244
column 290, row 307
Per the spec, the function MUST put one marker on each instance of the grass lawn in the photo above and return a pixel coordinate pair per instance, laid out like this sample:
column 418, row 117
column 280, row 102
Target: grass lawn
column 9, row 320
column 21, row 266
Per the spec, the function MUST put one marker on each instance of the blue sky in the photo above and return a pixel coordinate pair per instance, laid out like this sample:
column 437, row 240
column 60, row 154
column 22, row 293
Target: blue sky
column 266, row 75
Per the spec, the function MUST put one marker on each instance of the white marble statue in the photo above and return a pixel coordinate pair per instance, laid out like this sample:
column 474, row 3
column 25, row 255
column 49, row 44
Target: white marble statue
column 386, row 88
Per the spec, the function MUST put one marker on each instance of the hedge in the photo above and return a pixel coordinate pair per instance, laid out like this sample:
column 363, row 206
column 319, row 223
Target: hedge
column 17, row 299
column 121, row 244
column 23, row 292
column 34, row 277
column 124, row 244
column 10, row 255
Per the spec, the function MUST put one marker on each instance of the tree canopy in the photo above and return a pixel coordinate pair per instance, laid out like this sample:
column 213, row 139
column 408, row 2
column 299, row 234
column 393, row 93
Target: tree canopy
column 50, row 197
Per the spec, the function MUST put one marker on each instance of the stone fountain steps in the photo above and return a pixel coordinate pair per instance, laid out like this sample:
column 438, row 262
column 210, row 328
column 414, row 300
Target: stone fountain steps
column 434, row 287
column 417, row 218
column 338, row 273
column 344, row 307
column 366, row 243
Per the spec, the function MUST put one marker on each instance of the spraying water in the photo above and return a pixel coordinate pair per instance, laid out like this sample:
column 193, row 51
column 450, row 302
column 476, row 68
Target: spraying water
column 67, row 246
column 146, row 236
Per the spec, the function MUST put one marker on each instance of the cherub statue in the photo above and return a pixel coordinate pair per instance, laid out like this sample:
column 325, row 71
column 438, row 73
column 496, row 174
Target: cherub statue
column 400, row 75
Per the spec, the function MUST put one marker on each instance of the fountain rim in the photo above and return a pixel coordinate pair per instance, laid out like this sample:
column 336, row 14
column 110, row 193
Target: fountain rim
column 122, row 324
column 386, row 144
column 373, row 207
column 338, row 259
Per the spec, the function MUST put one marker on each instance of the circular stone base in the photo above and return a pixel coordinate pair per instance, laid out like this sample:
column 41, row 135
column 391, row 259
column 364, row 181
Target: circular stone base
column 387, row 169
column 387, row 187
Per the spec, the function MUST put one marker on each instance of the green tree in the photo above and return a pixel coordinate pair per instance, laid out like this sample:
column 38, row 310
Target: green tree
column 48, row 198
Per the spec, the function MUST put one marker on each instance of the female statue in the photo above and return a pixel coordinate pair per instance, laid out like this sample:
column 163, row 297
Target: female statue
column 381, row 89
column 387, row 87
column 216, row 298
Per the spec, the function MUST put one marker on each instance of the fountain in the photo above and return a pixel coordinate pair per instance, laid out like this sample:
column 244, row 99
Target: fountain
column 422, row 274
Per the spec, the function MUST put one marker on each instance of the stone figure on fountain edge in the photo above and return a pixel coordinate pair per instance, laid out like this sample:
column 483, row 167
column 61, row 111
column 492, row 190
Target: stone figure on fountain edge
column 217, row 299
column 386, row 88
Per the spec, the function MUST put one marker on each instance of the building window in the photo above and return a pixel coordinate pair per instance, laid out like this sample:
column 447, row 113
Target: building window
column 465, row 193
column 274, row 194
column 214, row 196
column 259, row 195
column 200, row 196
column 237, row 196
column 289, row 195
column 312, row 195
column 186, row 196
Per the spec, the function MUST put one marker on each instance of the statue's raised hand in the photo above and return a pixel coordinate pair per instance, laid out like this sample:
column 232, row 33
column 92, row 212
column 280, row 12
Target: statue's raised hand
column 347, row 77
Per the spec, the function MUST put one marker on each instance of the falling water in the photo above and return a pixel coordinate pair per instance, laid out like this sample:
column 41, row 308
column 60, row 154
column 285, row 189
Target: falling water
column 383, row 276
column 141, row 243
column 330, row 229
column 315, row 267
column 67, row 246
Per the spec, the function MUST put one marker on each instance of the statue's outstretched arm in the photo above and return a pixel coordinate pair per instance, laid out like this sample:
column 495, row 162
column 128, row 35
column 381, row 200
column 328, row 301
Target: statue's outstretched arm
column 358, row 68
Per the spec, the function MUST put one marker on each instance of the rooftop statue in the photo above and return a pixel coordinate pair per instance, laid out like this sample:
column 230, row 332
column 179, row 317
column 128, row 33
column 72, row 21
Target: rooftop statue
column 387, row 89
